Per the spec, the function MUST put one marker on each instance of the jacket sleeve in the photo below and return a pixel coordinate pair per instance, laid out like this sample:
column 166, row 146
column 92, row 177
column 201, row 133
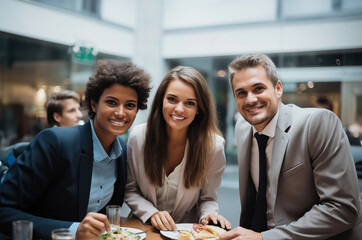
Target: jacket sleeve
column 335, row 183
column 208, row 194
column 137, row 202
column 25, row 182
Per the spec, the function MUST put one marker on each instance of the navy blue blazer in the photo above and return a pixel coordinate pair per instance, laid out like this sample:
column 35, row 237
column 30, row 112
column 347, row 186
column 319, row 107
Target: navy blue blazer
column 50, row 182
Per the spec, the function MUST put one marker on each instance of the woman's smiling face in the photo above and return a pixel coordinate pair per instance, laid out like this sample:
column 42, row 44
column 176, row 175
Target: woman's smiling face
column 179, row 104
column 115, row 111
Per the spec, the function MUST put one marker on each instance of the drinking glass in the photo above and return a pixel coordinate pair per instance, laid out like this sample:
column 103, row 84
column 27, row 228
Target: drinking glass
column 62, row 234
column 114, row 215
column 22, row 230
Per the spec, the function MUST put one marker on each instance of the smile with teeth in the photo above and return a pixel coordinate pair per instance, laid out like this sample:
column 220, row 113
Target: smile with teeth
column 119, row 123
column 254, row 108
column 177, row 117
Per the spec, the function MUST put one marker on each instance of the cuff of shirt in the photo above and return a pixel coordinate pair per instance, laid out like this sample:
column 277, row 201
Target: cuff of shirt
column 73, row 228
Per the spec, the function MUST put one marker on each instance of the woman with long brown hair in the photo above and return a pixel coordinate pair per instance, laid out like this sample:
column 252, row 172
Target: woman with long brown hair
column 176, row 160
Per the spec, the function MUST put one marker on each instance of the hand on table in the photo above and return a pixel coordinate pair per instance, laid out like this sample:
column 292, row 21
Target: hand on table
column 216, row 220
column 240, row 233
column 92, row 226
column 163, row 221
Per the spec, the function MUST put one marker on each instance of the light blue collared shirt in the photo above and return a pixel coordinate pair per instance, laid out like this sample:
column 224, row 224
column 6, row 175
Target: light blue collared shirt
column 104, row 175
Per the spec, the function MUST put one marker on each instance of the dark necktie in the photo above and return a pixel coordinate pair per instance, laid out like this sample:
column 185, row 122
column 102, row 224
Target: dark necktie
column 259, row 222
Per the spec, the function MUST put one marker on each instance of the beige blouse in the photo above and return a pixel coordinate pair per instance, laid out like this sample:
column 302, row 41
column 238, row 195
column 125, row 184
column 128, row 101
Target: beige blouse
column 166, row 195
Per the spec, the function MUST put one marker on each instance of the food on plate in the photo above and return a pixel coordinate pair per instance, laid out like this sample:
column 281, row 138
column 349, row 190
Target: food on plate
column 119, row 234
column 187, row 235
column 199, row 232
column 217, row 231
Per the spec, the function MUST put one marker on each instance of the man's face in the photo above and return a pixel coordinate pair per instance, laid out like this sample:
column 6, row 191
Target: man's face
column 256, row 97
column 70, row 114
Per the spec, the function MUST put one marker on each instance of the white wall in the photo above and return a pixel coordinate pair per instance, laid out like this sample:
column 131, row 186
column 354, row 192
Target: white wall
column 321, row 74
column 147, row 46
column 119, row 11
column 265, row 38
column 53, row 25
column 180, row 14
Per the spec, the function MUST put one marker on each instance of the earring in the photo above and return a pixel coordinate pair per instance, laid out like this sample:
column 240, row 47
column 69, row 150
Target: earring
column 197, row 113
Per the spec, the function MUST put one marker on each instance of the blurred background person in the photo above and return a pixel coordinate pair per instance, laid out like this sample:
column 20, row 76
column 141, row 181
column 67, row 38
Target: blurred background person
column 354, row 132
column 323, row 102
column 63, row 109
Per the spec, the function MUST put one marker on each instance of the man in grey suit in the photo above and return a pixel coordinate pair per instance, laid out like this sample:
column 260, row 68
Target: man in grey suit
column 310, row 187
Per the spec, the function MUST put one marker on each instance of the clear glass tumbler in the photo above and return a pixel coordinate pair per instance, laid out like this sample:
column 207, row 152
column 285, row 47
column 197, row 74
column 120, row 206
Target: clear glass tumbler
column 22, row 230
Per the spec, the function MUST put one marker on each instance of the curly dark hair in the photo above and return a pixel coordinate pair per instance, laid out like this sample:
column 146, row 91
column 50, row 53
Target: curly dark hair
column 110, row 72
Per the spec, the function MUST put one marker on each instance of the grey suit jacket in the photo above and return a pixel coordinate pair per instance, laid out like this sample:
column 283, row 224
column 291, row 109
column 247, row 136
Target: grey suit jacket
column 314, row 189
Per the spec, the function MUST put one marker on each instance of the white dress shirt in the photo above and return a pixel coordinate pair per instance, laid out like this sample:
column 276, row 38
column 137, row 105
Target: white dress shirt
column 269, row 131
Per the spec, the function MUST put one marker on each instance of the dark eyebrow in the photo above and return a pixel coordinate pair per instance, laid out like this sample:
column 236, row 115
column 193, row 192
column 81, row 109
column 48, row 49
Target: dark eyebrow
column 189, row 99
column 111, row 97
column 254, row 85
column 116, row 99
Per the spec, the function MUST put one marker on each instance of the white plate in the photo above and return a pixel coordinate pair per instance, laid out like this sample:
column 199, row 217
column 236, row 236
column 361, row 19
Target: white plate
column 132, row 230
column 180, row 226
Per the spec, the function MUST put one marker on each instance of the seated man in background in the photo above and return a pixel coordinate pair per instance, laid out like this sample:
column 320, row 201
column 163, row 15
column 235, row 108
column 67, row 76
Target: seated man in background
column 63, row 109
column 354, row 132
column 323, row 102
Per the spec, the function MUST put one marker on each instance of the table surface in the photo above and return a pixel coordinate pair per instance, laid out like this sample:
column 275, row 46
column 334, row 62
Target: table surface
column 152, row 233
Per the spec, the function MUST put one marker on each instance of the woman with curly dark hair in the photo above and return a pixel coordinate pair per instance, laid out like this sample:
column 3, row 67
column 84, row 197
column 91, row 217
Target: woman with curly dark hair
column 67, row 176
column 177, row 159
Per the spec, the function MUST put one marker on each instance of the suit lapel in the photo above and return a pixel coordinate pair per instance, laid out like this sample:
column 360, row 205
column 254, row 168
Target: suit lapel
column 244, row 136
column 281, row 140
column 85, row 169
column 118, row 192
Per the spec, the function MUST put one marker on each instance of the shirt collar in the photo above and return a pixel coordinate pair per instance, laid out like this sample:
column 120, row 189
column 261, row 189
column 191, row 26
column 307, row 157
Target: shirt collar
column 98, row 151
column 269, row 130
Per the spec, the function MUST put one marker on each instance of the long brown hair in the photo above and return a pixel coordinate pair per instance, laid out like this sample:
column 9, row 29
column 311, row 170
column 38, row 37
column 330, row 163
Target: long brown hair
column 201, row 132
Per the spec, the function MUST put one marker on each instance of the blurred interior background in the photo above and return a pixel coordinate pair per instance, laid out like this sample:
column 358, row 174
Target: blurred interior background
column 49, row 45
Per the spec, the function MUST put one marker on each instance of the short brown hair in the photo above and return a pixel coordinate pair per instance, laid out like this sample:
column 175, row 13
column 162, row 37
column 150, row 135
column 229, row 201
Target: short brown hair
column 110, row 72
column 253, row 60
column 54, row 104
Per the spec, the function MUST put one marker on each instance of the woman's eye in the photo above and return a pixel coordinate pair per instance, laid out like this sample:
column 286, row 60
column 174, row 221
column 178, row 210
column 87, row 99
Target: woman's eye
column 171, row 99
column 130, row 105
column 190, row 103
column 111, row 102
